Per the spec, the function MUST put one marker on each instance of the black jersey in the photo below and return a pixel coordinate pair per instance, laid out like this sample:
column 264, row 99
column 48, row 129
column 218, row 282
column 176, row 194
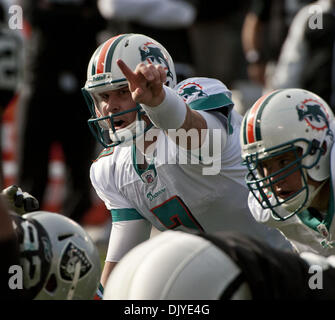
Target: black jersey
column 270, row 273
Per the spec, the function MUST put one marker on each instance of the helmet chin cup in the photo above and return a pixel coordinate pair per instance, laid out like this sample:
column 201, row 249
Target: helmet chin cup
column 125, row 137
column 104, row 131
column 298, row 203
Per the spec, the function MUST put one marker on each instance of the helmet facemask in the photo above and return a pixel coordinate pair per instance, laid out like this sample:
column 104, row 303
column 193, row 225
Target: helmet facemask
column 265, row 185
column 104, row 127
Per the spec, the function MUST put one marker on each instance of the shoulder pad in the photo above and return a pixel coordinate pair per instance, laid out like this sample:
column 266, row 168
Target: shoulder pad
column 104, row 153
column 205, row 94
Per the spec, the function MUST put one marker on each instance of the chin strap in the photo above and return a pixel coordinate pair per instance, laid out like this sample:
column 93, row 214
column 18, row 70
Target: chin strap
column 314, row 192
column 294, row 203
column 127, row 134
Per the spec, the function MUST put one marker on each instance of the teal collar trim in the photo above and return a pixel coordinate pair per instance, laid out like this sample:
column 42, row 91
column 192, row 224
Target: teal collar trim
column 138, row 170
column 214, row 101
column 309, row 220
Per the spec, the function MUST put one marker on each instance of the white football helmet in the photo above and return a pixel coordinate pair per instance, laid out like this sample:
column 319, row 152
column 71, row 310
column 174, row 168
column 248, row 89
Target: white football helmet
column 103, row 74
column 59, row 260
column 281, row 121
column 174, row 266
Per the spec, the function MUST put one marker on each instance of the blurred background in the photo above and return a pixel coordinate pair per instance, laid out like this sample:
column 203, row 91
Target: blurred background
column 253, row 46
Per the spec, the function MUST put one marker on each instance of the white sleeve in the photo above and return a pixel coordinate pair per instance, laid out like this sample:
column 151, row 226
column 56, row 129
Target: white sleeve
column 214, row 140
column 214, row 137
column 216, row 122
column 156, row 13
column 124, row 236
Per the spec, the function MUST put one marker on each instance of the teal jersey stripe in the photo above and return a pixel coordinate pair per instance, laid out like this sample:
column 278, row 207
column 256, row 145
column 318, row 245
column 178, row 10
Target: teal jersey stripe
column 259, row 115
column 108, row 65
column 125, row 215
column 105, row 152
column 214, row 101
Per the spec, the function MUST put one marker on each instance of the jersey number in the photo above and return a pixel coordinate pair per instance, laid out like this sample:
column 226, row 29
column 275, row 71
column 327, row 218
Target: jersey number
column 31, row 264
column 174, row 212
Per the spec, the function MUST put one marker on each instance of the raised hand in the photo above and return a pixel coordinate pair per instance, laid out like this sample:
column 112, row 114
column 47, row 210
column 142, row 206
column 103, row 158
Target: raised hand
column 145, row 82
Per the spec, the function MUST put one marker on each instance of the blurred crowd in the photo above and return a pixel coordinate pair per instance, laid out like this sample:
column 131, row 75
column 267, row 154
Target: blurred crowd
column 253, row 46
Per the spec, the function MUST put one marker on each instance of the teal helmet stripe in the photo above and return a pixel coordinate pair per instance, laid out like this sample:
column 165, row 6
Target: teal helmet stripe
column 244, row 126
column 108, row 64
column 95, row 59
column 259, row 114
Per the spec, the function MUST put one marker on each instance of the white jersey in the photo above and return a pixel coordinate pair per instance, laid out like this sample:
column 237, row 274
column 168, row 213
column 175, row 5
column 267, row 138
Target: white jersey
column 173, row 195
column 305, row 232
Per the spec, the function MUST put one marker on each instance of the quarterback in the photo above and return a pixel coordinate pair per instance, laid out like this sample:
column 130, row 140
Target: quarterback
column 172, row 156
column 287, row 140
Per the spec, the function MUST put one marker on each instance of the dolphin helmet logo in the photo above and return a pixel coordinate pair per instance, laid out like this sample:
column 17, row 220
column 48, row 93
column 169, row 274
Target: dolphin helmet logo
column 191, row 89
column 313, row 112
column 151, row 53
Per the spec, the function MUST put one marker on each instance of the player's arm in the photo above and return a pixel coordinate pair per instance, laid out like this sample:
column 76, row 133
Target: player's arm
column 165, row 108
column 128, row 230
column 108, row 268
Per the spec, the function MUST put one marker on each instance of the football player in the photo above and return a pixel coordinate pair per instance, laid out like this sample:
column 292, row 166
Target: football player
column 172, row 156
column 226, row 266
column 58, row 258
column 46, row 256
column 287, row 140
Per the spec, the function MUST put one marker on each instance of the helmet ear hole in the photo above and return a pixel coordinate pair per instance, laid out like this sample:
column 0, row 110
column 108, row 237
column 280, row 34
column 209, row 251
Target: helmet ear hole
column 324, row 147
column 51, row 285
column 315, row 146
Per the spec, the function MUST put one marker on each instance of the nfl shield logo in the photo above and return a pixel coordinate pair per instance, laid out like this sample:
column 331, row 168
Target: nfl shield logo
column 148, row 176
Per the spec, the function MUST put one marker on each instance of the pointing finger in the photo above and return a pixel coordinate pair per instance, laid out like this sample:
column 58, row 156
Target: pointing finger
column 128, row 73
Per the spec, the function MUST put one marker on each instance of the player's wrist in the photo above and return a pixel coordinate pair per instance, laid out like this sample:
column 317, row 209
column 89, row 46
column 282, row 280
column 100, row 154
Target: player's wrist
column 170, row 113
column 159, row 99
